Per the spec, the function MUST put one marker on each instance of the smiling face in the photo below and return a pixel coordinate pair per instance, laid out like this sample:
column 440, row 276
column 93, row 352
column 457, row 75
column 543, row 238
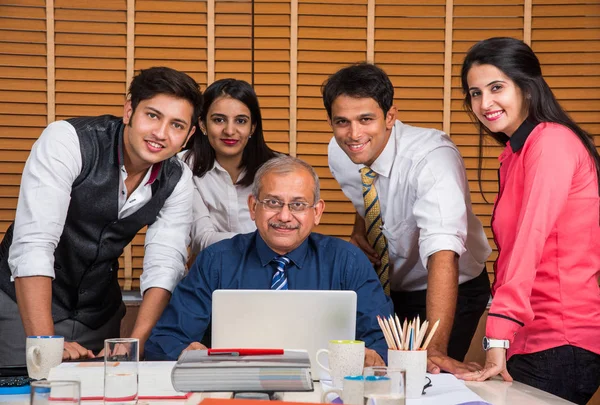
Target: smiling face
column 156, row 131
column 496, row 100
column 284, row 231
column 228, row 127
column 360, row 127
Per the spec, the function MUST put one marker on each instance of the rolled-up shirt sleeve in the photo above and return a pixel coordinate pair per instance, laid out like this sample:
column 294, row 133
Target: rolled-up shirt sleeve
column 53, row 165
column 168, row 237
column 188, row 314
column 440, row 208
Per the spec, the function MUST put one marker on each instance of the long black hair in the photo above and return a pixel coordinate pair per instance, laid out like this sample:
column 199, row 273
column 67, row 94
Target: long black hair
column 518, row 62
column 201, row 153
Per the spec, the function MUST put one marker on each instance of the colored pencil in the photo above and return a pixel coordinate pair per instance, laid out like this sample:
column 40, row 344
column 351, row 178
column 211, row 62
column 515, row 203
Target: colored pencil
column 430, row 336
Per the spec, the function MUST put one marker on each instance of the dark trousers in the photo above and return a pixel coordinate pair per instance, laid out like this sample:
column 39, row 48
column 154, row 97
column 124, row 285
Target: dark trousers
column 12, row 334
column 473, row 297
column 569, row 372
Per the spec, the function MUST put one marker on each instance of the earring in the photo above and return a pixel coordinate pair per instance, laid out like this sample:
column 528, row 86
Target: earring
column 250, row 137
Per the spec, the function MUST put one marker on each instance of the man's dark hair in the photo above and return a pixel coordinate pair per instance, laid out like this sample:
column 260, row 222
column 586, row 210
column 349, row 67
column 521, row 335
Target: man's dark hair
column 362, row 80
column 163, row 80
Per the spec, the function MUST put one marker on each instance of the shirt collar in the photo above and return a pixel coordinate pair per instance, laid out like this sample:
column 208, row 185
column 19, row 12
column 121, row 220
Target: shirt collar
column 517, row 140
column 266, row 254
column 218, row 167
column 155, row 171
column 383, row 164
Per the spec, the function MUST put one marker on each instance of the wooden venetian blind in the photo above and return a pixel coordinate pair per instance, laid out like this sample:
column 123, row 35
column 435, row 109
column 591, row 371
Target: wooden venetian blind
column 271, row 56
column 331, row 35
column 233, row 40
column 566, row 38
column 90, row 61
column 83, row 66
column 474, row 21
column 22, row 94
column 409, row 46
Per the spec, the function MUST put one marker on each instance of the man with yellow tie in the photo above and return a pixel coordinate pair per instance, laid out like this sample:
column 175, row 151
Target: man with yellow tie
column 413, row 211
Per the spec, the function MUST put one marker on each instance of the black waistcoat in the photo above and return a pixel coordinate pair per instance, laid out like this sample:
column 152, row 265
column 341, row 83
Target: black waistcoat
column 86, row 265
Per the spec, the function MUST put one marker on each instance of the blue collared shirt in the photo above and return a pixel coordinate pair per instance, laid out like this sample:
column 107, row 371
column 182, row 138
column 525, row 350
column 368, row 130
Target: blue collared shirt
column 244, row 262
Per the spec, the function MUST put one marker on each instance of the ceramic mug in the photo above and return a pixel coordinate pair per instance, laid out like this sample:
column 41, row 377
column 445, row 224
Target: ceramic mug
column 345, row 358
column 43, row 353
column 415, row 364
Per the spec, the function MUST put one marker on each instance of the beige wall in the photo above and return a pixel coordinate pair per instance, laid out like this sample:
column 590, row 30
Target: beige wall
column 65, row 58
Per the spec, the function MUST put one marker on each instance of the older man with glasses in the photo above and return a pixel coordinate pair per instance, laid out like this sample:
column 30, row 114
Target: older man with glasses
column 282, row 254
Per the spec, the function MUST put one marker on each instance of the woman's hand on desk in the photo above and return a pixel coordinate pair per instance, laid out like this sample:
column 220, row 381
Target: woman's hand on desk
column 372, row 358
column 495, row 363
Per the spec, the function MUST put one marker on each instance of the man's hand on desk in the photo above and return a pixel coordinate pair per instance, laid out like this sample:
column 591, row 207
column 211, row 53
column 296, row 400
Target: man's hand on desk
column 74, row 351
column 372, row 358
column 495, row 363
column 438, row 361
column 195, row 346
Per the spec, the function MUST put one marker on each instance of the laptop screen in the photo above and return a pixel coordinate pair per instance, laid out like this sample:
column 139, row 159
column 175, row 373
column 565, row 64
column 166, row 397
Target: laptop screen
column 292, row 319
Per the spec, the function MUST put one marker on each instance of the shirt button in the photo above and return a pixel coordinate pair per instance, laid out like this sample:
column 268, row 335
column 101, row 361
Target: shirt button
column 82, row 291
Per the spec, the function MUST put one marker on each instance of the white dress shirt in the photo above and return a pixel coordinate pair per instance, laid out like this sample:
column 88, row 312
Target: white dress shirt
column 52, row 167
column 425, row 203
column 220, row 208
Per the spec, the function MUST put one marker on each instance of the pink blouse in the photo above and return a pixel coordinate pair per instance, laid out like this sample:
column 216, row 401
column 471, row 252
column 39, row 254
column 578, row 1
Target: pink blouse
column 547, row 228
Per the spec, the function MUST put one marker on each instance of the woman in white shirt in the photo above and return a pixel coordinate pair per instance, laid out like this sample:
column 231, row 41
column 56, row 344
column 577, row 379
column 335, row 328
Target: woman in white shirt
column 224, row 158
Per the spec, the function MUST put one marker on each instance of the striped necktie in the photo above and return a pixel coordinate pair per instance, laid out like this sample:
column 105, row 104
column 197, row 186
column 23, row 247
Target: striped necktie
column 373, row 223
column 279, row 281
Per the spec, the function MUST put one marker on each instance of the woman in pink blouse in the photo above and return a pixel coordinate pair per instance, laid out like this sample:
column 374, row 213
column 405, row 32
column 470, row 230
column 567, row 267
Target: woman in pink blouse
column 545, row 314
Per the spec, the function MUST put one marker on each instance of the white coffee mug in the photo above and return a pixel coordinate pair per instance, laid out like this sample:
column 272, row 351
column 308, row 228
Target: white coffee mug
column 415, row 364
column 352, row 393
column 346, row 358
column 43, row 353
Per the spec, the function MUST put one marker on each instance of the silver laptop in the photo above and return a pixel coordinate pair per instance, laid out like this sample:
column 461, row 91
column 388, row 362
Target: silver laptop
column 293, row 319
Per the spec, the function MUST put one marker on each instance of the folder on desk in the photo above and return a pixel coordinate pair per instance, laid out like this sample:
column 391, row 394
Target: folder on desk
column 242, row 370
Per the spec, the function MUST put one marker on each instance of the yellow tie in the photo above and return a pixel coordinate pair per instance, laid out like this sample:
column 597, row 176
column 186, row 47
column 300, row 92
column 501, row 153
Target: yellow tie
column 373, row 223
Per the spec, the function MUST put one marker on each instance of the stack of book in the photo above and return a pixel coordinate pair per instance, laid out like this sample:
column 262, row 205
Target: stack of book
column 242, row 370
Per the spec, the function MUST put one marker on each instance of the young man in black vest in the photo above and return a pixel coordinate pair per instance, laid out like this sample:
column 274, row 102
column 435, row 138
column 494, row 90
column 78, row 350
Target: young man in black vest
column 89, row 185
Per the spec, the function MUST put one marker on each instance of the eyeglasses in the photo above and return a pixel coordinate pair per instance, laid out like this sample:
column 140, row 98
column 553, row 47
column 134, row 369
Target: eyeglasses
column 272, row 204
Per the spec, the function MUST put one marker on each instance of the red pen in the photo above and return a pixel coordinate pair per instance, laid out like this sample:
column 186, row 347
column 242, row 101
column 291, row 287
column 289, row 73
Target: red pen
column 243, row 352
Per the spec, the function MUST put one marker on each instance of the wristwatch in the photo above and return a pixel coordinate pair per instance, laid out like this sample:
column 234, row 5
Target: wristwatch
column 490, row 343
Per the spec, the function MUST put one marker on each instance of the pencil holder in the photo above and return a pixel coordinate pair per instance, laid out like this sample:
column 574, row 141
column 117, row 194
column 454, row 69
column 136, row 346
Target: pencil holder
column 414, row 362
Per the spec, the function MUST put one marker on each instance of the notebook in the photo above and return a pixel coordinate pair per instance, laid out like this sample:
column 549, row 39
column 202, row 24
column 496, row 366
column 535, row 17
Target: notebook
column 293, row 319
column 243, row 370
